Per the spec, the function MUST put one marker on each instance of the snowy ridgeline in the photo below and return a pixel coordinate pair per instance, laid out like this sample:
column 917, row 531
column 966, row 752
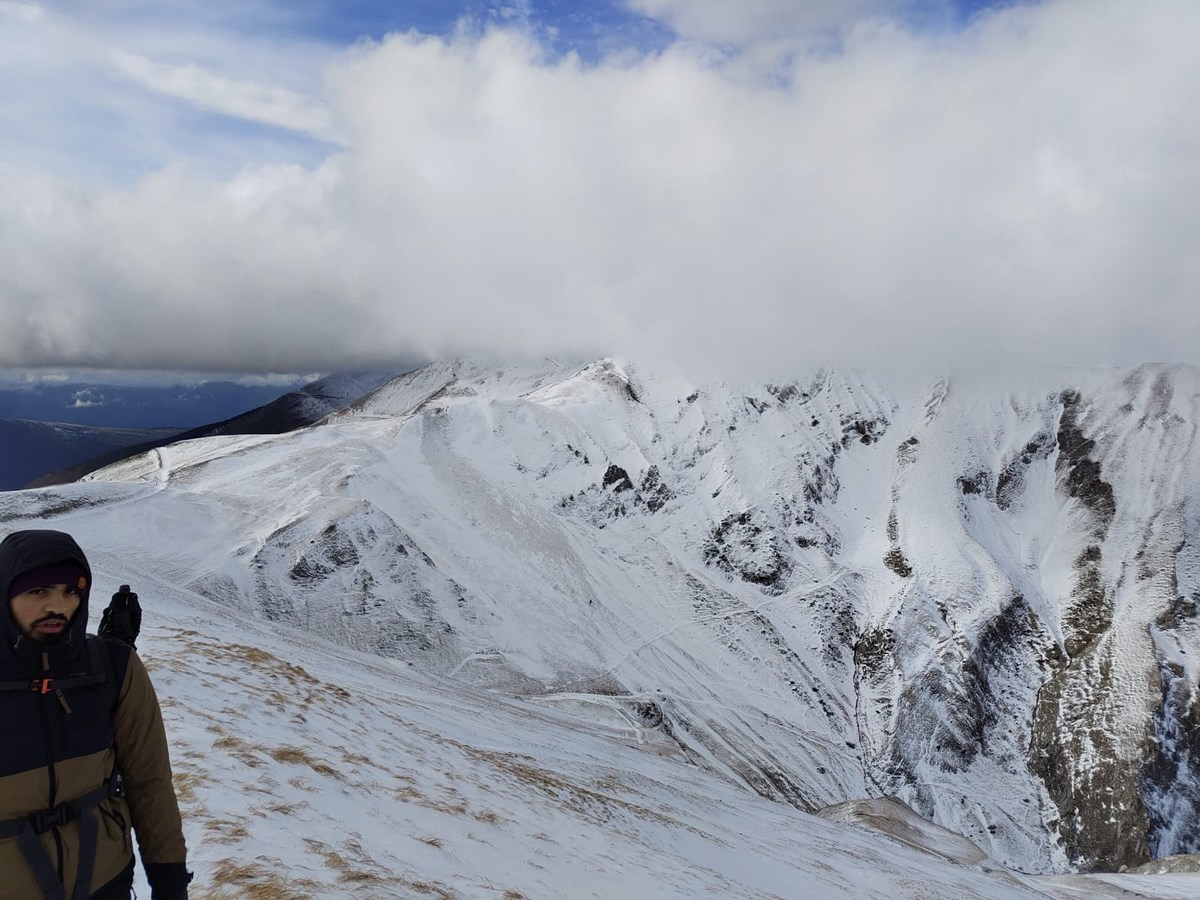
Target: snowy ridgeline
column 634, row 630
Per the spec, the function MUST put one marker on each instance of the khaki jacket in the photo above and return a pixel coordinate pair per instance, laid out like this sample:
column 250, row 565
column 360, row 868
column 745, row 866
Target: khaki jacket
column 58, row 744
column 140, row 752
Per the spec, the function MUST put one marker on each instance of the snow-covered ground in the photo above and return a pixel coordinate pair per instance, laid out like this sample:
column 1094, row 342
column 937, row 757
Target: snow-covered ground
column 595, row 629
column 320, row 772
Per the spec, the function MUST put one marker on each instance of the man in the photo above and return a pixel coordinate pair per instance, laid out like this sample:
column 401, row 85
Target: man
column 84, row 753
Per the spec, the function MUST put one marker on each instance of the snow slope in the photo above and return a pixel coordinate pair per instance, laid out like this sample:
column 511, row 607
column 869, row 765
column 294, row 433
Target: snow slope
column 307, row 770
column 977, row 599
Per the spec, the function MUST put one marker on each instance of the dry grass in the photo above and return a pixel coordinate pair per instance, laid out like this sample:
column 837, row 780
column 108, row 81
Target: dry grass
column 253, row 881
column 430, row 840
column 185, row 785
column 457, row 808
column 245, row 753
column 585, row 801
column 225, row 831
column 300, row 756
column 279, row 808
column 488, row 817
column 352, row 863
column 426, row 887
column 356, row 759
column 253, row 655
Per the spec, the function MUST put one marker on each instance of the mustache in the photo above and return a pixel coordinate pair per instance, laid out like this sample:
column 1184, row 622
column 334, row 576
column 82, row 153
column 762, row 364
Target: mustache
column 52, row 617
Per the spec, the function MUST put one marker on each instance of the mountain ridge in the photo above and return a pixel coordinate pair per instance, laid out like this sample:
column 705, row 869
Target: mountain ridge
column 826, row 590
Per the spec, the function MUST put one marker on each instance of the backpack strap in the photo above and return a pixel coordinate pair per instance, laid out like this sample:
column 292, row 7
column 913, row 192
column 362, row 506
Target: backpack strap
column 100, row 671
column 28, row 829
column 100, row 661
column 27, row 685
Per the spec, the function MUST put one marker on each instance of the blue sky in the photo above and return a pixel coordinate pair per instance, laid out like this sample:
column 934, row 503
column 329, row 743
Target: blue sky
column 304, row 186
column 581, row 24
column 160, row 127
column 588, row 28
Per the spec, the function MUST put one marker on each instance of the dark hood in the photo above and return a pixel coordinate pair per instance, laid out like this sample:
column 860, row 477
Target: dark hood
column 25, row 550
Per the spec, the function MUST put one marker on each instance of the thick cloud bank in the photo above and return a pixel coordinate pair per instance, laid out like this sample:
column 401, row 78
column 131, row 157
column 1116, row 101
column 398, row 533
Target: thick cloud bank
column 1020, row 189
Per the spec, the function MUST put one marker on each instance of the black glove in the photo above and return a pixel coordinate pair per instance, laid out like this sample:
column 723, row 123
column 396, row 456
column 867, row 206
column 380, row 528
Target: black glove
column 122, row 620
column 168, row 881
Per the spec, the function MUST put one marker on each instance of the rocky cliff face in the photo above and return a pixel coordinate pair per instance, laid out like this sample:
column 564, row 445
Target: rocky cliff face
column 978, row 597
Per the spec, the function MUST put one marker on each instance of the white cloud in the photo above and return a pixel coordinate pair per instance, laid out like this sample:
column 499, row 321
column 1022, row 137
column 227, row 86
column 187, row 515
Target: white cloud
column 263, row 103
column 119, row 94
column 1021, row 189
column 21, row 12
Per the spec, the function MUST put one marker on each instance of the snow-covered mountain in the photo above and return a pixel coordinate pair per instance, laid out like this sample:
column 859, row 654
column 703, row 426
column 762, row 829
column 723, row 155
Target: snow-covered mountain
column 295, row 409
column 30, row 449
column 977, row 598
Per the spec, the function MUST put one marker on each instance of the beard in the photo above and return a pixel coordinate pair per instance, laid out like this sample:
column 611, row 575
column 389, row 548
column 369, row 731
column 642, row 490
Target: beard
column 50, row 637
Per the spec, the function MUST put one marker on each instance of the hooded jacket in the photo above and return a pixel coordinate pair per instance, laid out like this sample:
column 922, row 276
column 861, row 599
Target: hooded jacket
column 62, row 745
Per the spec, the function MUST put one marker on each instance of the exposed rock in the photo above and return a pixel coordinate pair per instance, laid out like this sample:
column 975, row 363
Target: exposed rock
column 616, row 478
column 977, row 483
column 1170, row 781
column 783, row 393
column 894, row 559
column 1080, row 471
column 741, row 546
column 1012, row 478
column 865, row 431
column 653, row 492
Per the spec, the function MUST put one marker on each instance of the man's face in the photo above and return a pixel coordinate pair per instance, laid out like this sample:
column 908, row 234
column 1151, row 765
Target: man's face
column 44, row 613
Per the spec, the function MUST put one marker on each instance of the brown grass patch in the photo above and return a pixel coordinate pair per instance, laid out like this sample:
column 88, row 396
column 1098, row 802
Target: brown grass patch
column 279, row 808
column 458, row 808
column 426, row 887
column 225, row 831
column 300, row 756
column 240, row 750
column 185, row 785
column 352, row 863
column 356, row 759
column 253, row 881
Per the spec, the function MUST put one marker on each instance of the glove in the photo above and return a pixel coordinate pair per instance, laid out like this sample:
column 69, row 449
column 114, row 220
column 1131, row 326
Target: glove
column 122, row 620
column 168, row 881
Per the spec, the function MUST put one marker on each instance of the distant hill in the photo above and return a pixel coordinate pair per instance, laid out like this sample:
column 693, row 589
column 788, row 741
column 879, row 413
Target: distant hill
column 293, row 410
column 177, row 406
column 29, row 450
column 298, row 408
